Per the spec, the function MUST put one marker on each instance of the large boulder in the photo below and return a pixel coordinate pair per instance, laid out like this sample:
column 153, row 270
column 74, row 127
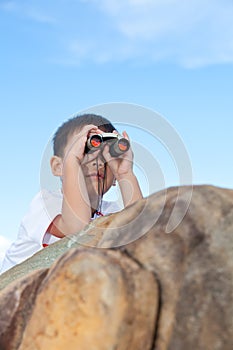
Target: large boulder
column 162, row 278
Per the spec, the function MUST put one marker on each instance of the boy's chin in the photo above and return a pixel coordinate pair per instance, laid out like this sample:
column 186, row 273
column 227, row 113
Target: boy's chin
column 94, row 199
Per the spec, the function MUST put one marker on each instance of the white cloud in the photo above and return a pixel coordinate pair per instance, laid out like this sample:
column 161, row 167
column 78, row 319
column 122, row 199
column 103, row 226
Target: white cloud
column 27, row 10
column 39, row 16
column 191, row 33
column 4, row 244
column 9, row 6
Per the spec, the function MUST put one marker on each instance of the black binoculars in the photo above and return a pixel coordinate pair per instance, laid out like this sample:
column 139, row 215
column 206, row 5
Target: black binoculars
column 117, row 143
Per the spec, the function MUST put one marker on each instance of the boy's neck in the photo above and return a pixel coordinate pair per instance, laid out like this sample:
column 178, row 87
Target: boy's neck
column 95, row 204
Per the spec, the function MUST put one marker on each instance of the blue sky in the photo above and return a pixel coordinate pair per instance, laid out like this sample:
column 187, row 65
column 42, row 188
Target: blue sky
column 61, row 57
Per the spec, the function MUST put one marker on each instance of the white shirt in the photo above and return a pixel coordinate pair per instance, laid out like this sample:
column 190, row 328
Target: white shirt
column 32, row 234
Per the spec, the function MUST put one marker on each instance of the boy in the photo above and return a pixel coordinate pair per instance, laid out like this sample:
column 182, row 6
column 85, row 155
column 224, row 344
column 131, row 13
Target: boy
column 85, row 177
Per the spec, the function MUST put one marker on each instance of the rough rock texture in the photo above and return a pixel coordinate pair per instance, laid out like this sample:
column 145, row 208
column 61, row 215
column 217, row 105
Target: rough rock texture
column 16, row 304
column 94, row 300
column 163, row 291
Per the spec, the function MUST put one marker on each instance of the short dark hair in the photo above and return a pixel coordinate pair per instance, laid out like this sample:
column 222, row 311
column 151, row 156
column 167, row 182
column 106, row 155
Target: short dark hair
column 63, row 133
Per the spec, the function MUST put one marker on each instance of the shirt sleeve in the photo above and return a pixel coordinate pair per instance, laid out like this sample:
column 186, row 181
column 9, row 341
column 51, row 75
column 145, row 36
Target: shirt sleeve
column 20, row 250
column 43, row 209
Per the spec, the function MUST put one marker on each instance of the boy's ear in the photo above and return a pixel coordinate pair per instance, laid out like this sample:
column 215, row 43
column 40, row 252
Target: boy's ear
column 56, row 165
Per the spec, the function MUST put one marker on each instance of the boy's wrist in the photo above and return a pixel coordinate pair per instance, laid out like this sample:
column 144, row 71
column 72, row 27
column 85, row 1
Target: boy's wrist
column 129, row 187
column 126, row 176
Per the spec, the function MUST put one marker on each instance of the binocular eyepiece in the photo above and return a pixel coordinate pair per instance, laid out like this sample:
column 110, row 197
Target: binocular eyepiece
column 117, row 143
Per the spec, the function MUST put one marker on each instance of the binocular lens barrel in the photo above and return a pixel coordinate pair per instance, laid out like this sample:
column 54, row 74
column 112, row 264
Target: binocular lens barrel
column 123, row 145
column 95, row 141
column 119, row 147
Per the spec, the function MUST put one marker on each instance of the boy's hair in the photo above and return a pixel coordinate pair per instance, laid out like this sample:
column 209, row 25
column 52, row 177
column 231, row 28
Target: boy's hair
column 63, row 133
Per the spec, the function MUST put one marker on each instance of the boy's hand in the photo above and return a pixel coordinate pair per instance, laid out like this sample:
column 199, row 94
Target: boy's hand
column 122, row 165
column 76, row 147
column 122, row 169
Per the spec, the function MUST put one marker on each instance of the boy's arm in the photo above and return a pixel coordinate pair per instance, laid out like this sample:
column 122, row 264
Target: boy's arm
column 130, row 189
column 122, row 168
column 76, row 207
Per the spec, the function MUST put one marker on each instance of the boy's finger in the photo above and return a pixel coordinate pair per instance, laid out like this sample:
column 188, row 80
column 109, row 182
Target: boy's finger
column 106, row 153
column 125, row 135
column 88, row 157
column 87, row 128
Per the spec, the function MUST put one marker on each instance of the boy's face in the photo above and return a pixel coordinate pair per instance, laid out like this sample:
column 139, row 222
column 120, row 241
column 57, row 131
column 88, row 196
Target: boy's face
column 98, row 176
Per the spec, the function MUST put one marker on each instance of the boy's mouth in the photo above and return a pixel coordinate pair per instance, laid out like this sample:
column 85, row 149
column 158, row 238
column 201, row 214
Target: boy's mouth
column 101, row 176
column 98, row 175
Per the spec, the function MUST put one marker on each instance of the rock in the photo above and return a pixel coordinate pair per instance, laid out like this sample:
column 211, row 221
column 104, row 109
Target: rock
column 163, row 291
column 93, row 300
column 194, row 267
column 16, row 304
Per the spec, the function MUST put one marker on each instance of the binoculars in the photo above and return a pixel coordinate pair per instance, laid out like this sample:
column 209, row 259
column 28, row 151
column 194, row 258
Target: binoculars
column 117, row 143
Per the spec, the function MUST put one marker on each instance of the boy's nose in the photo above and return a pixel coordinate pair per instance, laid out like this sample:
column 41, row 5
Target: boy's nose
column 98, row 162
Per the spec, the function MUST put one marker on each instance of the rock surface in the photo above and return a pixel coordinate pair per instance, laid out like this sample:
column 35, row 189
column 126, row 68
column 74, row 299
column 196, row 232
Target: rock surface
column 170, row 291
